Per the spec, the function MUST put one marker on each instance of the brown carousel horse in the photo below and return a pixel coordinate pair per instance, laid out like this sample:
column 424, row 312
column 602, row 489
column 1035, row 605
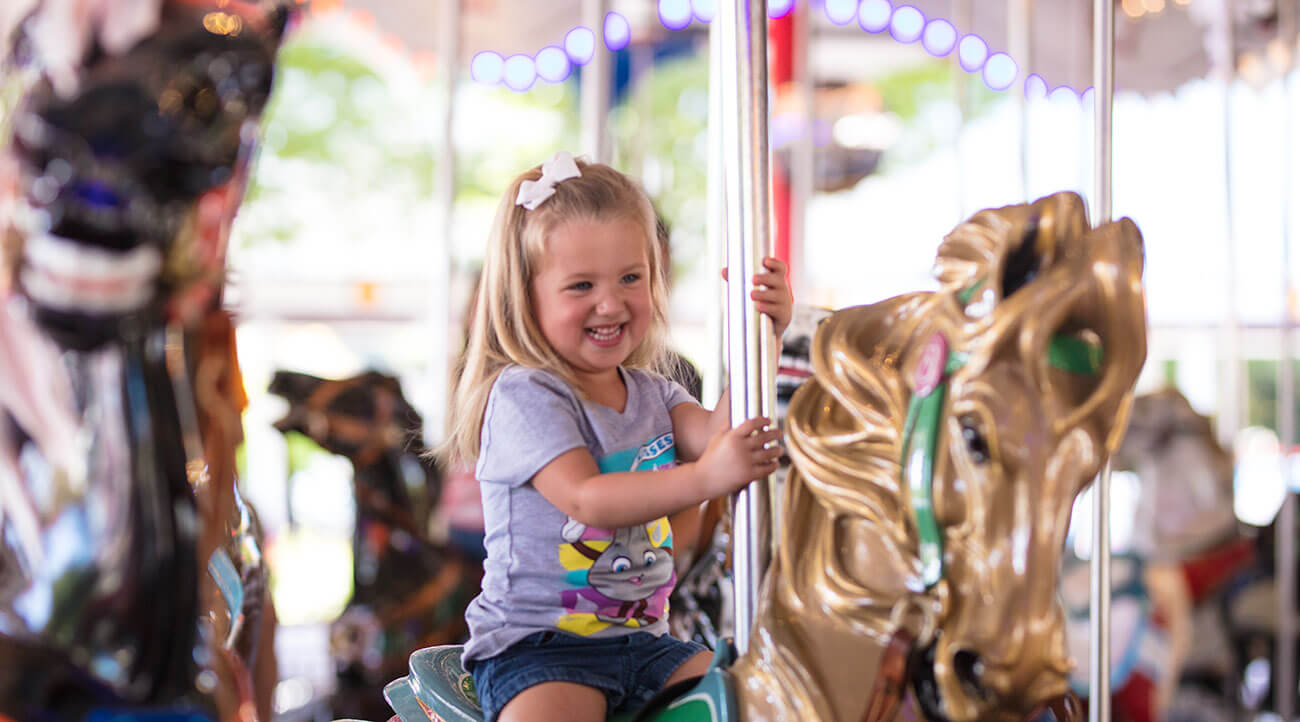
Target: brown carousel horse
column 132, row 583
column 408, row 590
column 938, row 450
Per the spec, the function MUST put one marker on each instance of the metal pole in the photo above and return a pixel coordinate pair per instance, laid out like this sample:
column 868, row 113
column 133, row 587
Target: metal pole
column 1284, row 690
column 1103, row 73
column 1020, row 20
column 961, row 17
column 1230, row 416
column 595, row 86
column 715, row 227
column 749, row 339
column 440, row 281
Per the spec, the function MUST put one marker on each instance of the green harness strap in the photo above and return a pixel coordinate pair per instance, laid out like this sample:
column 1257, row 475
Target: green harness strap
column 922, row 426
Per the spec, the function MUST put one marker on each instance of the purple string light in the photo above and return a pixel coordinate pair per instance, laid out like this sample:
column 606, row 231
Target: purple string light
column 704, row 10
column 487, row 67
column 553, row 64
column 873, row 15
column 1000, row 71
column 580, row 44
column 617, row 32
column 520, row 73
column 972, row 51
column 906, row 24
column 841, row 12
column 1035, row 87
column 940, row 38
column 779, row 8
column 675, row 14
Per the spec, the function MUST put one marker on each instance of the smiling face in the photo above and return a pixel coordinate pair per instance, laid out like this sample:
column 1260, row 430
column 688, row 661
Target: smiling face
column 591, row 294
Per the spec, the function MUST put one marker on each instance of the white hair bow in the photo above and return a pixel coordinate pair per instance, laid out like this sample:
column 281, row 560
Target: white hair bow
column 560, row 167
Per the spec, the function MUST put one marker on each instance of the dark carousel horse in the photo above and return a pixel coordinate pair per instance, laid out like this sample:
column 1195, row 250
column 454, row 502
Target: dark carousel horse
column 408, row 591
column 132, row 583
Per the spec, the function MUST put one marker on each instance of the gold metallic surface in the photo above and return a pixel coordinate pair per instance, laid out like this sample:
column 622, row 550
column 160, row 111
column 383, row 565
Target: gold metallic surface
column 846, row 574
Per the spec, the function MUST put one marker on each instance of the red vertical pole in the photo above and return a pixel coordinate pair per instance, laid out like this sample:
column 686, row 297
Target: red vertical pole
column 780, row 72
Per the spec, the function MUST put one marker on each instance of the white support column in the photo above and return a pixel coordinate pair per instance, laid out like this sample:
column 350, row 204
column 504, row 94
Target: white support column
column 1103, row 73
column 751, row 352
column 595, row 86
column 440, row 301
column 1230, row 420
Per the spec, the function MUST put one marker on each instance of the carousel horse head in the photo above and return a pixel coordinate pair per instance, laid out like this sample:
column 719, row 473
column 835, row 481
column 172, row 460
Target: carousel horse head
column 938, row 450
column 408, row 592
column 1185, row 494
column 360, row 417
column 131, row 165
column 366, row 419
column 133, row 573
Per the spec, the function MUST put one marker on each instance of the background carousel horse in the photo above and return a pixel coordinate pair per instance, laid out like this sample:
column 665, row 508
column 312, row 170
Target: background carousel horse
column 408, row 590
column 1186, row 552
column 131, row 576
column 1192, row 568
column 937, row 452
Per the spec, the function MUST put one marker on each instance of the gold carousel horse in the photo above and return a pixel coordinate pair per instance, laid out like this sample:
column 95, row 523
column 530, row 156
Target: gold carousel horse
column 938, row 450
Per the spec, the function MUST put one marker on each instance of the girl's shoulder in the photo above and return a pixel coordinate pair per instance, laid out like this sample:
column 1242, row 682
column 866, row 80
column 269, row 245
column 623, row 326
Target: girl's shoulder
column 648, row 381
column 515, row 379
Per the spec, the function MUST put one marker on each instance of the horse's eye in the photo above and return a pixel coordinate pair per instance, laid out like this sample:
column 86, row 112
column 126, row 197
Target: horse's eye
column 976, row 444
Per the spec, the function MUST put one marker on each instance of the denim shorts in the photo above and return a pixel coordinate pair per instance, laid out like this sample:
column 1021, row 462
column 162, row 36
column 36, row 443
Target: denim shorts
column 629, row 669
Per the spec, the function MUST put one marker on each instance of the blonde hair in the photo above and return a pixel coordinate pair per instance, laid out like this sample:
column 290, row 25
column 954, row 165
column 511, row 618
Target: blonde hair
column 504, row 328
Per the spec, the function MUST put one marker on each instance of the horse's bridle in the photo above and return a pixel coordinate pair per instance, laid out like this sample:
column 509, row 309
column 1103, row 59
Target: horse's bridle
column 924, row 414
column 921, row 429
column 372, row 438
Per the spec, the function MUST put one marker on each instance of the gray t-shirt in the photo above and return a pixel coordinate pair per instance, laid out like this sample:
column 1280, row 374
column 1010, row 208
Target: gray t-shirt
column 545, row 571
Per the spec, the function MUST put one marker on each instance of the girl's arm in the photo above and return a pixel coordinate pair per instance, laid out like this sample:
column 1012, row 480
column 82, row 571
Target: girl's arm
column 693, row 426
column 574, row 484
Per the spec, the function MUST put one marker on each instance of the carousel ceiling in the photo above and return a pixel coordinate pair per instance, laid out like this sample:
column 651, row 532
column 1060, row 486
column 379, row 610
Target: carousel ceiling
column 1159, row 44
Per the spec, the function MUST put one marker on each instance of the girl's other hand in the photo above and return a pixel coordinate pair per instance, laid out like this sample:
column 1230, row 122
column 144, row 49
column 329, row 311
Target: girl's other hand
column 772, row 294
column 739, row 455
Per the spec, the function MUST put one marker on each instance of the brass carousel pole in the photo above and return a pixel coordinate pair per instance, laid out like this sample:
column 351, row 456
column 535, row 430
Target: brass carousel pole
column 749, row 338
column 595, row 86
column 1284, row 688
column 1103, row 73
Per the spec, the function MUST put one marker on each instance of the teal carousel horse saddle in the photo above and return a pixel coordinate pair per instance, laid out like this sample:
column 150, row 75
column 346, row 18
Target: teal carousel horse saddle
column 439, row 689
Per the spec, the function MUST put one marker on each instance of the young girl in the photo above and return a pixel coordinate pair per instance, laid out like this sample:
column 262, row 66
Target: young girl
column 583, row 450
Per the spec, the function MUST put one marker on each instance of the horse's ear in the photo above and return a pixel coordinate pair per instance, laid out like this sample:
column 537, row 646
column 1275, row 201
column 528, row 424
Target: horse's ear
column 293, row 385
column 378, row 379
column 976, row 251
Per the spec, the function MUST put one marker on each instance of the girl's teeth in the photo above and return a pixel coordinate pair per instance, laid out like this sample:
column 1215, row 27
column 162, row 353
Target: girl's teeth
column 606, row 333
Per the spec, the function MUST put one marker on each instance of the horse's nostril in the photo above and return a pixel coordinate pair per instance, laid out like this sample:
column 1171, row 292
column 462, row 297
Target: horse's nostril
column 969, row 669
